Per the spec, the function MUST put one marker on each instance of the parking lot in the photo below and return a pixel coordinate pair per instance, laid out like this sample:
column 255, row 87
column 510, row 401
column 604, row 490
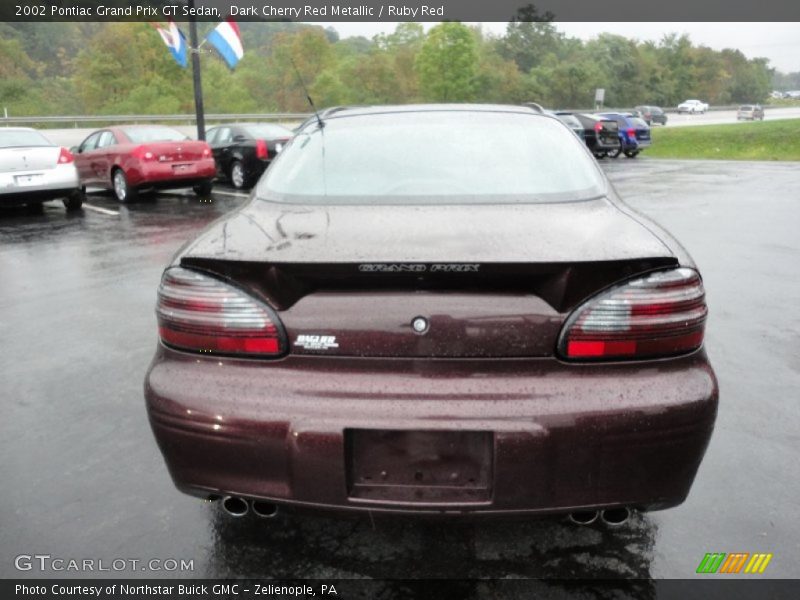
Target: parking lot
column 83, row 478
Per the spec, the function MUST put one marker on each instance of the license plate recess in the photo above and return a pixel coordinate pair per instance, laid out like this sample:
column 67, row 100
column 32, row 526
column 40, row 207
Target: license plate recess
column 428, row 466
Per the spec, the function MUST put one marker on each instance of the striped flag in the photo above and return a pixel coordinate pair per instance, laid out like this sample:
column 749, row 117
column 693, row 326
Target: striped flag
column 175, row 41
column 228, row 41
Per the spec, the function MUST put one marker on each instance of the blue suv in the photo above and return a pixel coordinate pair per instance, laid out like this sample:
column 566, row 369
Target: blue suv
column 634, row 133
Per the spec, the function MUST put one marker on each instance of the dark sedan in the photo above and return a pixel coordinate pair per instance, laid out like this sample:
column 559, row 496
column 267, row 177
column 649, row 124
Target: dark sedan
column 243, row 151
column 601, row 135
column 129, row 159
column 572, row 122
column 651, row 114
column 394, row 324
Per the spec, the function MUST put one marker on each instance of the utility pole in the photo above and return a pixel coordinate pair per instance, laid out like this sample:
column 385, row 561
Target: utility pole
column 198, row 87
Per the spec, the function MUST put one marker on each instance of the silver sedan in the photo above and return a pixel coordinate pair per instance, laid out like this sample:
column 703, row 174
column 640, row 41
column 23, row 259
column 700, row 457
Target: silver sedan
column 33, row 170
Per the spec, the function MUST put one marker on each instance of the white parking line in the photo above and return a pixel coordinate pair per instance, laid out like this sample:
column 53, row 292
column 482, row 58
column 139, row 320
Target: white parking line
column 104, row 211
column 234, row 194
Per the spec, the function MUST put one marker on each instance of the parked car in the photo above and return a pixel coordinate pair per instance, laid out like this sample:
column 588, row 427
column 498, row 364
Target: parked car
column 132, row 158
column 243, row 151
column 692, row 107
column 601, row 135
column 750, row 112
column 32, row 170
column 395, row 324
column 651, row 114
column 572, row 122
column 634, row 134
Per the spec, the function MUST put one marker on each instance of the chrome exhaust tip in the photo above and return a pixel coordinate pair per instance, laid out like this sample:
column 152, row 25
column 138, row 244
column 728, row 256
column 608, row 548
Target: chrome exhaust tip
column 235, row 506
column 616, row 517
column 263, row 509
column 584, row 517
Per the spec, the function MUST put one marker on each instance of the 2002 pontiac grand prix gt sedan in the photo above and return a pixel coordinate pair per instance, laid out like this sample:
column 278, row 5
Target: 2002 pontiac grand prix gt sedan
column 433, row 310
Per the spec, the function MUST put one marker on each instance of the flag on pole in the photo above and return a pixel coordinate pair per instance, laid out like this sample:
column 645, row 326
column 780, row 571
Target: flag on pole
column 226, row 39
column 175, row 41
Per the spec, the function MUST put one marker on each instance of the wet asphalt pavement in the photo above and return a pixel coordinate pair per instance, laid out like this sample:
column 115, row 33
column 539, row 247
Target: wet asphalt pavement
column 82, row 476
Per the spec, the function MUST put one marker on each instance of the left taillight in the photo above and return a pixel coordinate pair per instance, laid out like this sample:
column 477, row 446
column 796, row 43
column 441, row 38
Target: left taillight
column 660, row 314
column 143, row 153
column 200, row 313
column 65, row 157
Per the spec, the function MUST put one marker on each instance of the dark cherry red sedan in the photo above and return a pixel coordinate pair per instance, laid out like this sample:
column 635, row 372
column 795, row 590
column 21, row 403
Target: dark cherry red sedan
column 133, row 158
column 439, row 310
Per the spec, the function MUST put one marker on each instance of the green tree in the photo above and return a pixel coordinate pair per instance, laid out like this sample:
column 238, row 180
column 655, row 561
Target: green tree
column 309, row 52
column 122, row 57
column 447, row 63
column 528, row 42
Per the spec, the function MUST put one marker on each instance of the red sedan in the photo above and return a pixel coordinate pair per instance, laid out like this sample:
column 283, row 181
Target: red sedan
column 134, row 158
column 394, row 323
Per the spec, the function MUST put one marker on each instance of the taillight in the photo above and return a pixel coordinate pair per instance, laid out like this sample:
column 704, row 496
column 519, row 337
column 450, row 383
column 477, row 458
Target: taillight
column 65, row 157
column 206, row 151
column 142, row 153
column 632, row 133
column 661, row 314
column 200, row 313
column 262, row 151
column 598, row 126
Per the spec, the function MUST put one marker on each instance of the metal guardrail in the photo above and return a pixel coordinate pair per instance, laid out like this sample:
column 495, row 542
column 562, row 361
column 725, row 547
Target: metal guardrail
column 189, row 119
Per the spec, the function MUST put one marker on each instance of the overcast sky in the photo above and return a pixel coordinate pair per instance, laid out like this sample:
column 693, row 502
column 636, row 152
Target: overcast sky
column 779, row 42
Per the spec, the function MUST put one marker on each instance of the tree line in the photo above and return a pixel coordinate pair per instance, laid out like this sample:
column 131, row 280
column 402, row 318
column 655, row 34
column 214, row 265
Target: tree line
column 124, row 68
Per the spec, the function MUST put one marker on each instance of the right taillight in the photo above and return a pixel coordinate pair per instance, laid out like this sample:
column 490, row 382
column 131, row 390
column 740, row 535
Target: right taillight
column 203, row 314
column 65, row 157
column 660, row 314
column 262, row 152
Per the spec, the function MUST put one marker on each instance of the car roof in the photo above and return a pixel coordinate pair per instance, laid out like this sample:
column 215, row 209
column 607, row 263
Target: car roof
column 18, row 129
column 351, row 111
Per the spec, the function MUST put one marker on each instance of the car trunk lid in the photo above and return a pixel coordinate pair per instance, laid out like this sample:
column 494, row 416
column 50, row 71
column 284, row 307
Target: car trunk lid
column 35, row 158
column 353, row 280
column 183, row 151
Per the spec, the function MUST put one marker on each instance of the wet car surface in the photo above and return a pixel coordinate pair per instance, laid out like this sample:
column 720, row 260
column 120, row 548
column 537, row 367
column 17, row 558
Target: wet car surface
column 82, row 477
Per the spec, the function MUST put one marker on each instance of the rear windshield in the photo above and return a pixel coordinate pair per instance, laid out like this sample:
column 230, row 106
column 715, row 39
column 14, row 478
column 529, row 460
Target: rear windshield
column 746, row 107
column 142, row 135
column 434, row 157
column 638, row 123
column 268, row 131
column 17, row 139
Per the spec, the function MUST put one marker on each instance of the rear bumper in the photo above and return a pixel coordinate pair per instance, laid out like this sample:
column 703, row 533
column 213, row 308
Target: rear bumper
column 165, row 175
column 564, row 437
column 59, row 182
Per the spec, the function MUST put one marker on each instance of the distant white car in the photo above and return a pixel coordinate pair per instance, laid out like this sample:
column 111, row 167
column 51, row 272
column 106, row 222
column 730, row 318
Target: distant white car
column 692, row 106
column 33, row 170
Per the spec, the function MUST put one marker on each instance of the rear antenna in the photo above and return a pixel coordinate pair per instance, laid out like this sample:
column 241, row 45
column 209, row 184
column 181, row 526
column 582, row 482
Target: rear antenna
column 308, row 96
